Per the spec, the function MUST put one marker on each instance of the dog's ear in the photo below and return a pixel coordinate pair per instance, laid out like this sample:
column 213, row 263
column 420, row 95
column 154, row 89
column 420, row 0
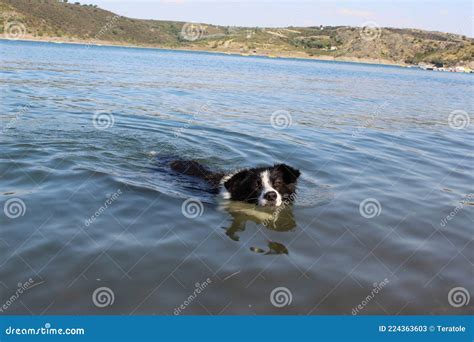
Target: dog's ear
column 290, row 174
column 234, row 181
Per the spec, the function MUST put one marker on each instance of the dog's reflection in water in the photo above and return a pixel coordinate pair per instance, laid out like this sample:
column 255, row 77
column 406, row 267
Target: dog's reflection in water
column 278, row 219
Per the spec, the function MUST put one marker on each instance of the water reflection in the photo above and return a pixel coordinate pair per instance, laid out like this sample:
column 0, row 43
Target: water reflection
column 279, row 219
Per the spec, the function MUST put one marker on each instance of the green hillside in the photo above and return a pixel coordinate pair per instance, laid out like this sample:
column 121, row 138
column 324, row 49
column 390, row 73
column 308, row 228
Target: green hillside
column 56, row 20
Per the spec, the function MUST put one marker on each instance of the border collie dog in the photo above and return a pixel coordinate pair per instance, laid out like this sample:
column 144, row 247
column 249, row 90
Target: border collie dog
column 264, row 186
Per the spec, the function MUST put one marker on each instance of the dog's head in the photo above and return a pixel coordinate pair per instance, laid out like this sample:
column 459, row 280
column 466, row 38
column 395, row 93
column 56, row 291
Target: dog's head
column 265, row 186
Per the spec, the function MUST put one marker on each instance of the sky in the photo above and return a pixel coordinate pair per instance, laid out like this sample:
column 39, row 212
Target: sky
column 455, row 16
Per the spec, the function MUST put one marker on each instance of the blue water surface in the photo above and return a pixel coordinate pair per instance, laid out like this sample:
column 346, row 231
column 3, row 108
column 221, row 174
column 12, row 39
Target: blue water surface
column 386, row 155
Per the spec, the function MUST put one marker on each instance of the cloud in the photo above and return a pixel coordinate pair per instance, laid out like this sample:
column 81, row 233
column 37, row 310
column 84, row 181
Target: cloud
column 349, row 12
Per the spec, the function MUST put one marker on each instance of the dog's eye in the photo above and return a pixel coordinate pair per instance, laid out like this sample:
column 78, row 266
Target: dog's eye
column 277, row 182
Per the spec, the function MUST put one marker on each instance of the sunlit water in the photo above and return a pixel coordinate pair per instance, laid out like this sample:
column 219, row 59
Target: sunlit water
column 356, row 132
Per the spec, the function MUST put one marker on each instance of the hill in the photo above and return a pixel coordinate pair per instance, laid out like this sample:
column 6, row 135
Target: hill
column 63, row 21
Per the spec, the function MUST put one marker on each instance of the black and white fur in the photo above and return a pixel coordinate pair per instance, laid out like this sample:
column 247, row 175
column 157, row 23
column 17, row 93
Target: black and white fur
column 269, row 186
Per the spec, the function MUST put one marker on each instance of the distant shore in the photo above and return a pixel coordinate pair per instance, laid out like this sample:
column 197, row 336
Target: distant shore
column 268, row 54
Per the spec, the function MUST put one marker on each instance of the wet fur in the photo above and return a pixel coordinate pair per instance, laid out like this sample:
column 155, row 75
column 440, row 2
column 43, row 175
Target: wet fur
column 249, row 185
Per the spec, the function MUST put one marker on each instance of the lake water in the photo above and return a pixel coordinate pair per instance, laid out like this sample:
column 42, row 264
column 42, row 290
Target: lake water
column 92, row 215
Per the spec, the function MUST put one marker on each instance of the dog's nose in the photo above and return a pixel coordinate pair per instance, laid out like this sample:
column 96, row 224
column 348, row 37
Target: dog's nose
column 270, row 196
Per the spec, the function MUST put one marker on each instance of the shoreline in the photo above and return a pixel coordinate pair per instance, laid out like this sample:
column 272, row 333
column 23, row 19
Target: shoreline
column 275, row 55
column 267, row 54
